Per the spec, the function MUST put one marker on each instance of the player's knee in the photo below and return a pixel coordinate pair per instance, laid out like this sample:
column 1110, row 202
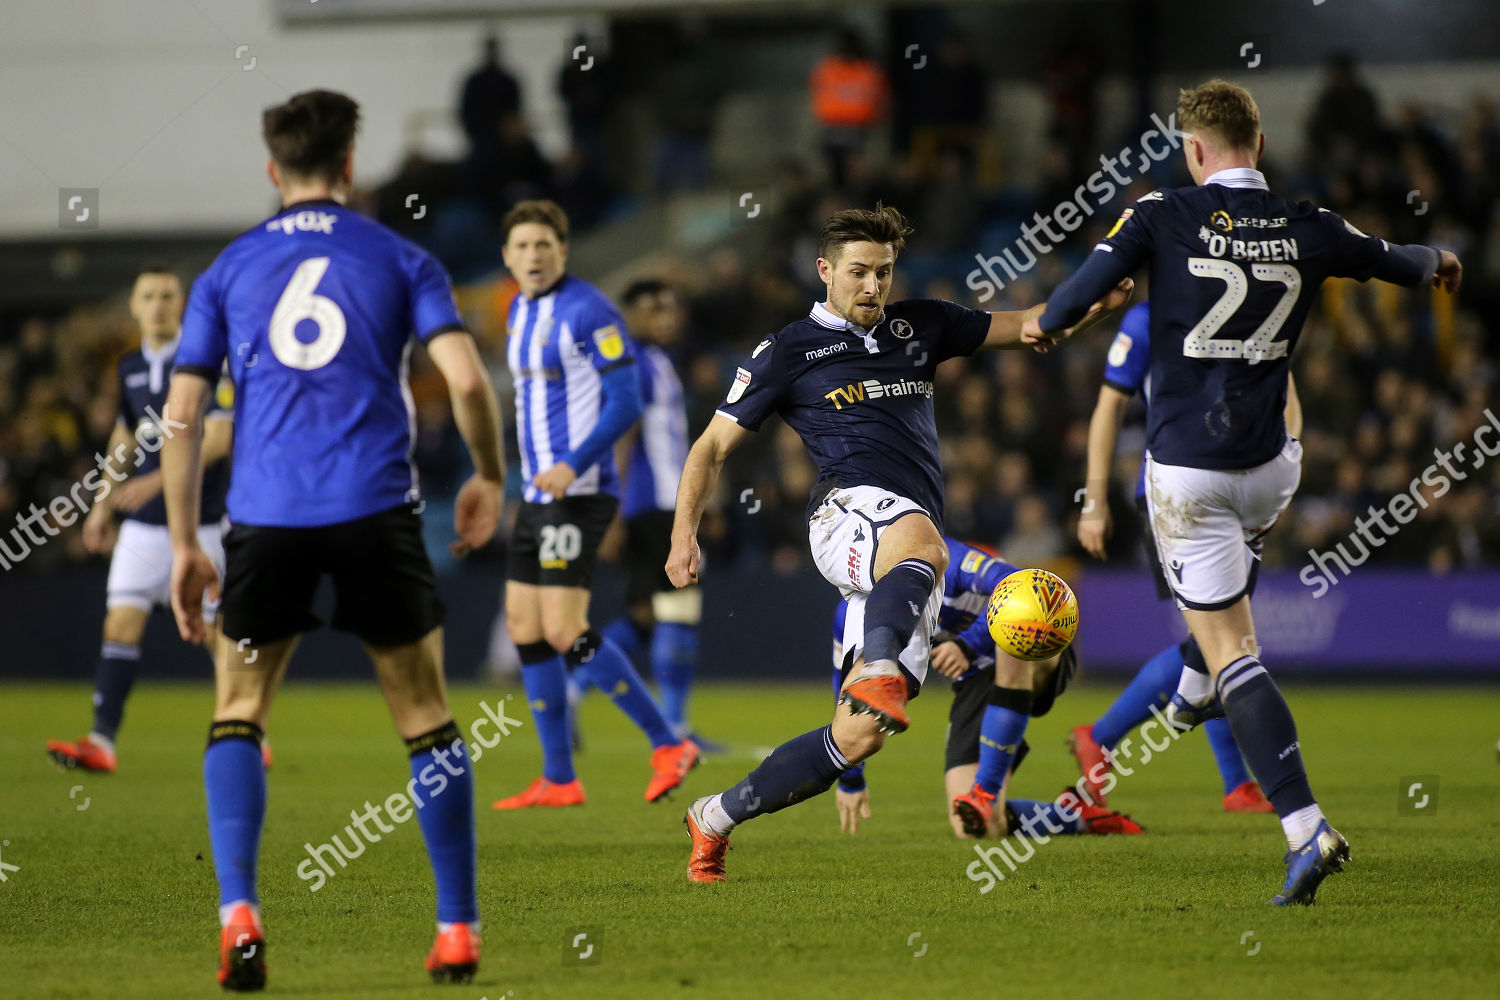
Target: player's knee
column 858, row 737
column 562, row 637
column 124, row 626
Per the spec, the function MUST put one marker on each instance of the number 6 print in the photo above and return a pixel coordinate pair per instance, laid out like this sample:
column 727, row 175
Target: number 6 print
column 298, row 302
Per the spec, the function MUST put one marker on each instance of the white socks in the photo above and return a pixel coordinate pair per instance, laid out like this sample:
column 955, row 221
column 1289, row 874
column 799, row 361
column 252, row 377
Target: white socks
column 1196, row 689
column 715, row 818
column 1301, row 825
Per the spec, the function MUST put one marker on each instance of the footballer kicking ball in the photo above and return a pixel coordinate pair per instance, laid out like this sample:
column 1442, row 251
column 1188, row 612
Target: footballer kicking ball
column 1032, row 615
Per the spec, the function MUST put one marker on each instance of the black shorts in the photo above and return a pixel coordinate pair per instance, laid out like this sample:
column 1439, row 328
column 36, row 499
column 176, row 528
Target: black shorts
column 1163, row 589
column 966, row 717
column 384, row 587
column 648, row 542
column 556, row 544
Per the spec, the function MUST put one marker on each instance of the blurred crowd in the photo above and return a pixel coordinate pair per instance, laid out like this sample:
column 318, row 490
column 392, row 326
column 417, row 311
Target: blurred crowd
column 1386, row 375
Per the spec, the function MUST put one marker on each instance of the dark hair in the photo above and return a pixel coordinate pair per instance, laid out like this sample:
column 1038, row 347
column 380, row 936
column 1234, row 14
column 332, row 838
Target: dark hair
column 156, row 267
column 548, row 213
column 856, row 225
column 643, row 287
column 312, row 134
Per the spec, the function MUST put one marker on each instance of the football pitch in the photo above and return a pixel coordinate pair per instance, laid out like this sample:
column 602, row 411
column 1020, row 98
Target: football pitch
column 108, row 884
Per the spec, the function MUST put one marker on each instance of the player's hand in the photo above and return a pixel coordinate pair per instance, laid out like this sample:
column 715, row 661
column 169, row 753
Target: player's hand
column 192, row 573
column 1117, row 298
column 1449, row 274
column 100, row 530
column 853, row 806
column 476, row 512
column 135, row 492
column 683, row 562
column 1031, row 330
column 949, row 660
column 556, row 480
column 1095, row 527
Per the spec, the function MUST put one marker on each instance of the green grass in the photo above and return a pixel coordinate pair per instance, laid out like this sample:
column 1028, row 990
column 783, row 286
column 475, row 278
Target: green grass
column 118, row 899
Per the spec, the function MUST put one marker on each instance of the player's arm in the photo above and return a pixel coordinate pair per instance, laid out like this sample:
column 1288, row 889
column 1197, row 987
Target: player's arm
column 477, row 414
column 1126, row 247
column 98, row 534
column 182, row 490
column 1020, row 328
column 700, row 474
column 1363, row 257
column 1094, row 524
column 1293, row 411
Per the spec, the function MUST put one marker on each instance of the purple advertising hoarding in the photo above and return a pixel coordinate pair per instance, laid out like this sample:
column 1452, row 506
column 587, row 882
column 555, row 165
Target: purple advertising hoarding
column 1372, row 620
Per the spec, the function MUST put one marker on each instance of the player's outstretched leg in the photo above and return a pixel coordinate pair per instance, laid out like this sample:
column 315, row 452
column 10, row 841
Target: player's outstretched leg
column 1070, row 814
column 1091, row 745
column 1267, row 735
column 799, row 769
column 611, row 672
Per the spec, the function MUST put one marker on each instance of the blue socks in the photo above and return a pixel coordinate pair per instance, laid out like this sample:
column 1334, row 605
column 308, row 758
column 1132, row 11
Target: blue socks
column 894, row 607
column 800, row 768
column 112, row 682
column 545, row 680
column 1045, row 818
column 1266, row 733
column 1152, row 685
column 1000, row 733
column 674, row 655
column 443, row 793
column 611, row 672
column 235, row 779
column 627, row 634
column 1232, row 769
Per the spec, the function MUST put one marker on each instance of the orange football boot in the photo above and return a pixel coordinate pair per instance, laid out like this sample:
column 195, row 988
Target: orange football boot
column 1247, row 798
column 1090, row 755
column 265, row 753
column 974, row 809
column 883, row 696
column 454, row 957
column 1096, row 818
column 242, row 952
column 706, row 863
column 669, row 765
column 85, row 754
column 542, row 792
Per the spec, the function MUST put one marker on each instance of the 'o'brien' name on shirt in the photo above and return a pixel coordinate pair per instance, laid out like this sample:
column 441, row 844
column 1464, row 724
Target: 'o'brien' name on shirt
column 871, row 389
column 1220, row 245
column 307, row 222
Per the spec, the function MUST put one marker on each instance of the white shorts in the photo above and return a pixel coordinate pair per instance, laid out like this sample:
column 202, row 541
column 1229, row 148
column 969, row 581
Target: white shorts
column 844, row 533
column 140, row 571
column 1208, row 524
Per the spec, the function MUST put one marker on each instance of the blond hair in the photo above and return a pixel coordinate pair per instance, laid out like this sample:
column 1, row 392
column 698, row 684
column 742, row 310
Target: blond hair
column 1223, row 108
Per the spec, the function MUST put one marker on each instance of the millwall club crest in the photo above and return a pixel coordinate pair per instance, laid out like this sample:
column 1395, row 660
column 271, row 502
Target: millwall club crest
column 901, row 329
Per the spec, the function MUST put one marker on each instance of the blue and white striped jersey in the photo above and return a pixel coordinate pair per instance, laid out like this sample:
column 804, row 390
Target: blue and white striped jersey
column 661, row 449
column 559, row 346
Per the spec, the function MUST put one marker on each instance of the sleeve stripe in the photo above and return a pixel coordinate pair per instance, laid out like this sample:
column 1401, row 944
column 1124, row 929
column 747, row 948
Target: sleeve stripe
column 202, row 371
column 622, row 363
column 726, row 415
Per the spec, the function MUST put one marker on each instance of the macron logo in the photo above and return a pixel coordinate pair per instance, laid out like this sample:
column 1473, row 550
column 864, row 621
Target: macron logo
column 307, row 222
column 823, row 352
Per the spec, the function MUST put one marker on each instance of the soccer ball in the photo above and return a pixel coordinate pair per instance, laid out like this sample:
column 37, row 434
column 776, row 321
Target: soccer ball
column 1032, row 615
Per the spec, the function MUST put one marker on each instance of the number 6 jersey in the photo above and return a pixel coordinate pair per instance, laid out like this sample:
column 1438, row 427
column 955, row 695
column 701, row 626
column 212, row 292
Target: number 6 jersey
column 315, row 311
